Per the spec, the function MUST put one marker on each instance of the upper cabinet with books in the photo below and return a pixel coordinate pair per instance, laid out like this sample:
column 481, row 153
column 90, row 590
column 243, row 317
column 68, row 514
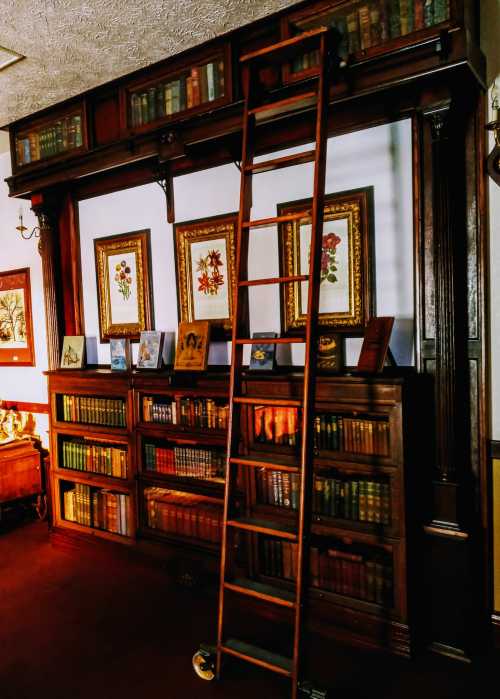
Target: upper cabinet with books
column 51, row 137
column 183, row 88
column 364, row 27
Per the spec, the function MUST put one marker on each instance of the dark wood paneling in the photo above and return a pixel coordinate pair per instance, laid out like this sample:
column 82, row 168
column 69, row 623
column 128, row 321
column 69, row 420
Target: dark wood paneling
column 106, row 119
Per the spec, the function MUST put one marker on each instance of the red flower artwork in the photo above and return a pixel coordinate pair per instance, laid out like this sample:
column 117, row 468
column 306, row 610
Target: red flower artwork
column 328, row 259
column 211, row 278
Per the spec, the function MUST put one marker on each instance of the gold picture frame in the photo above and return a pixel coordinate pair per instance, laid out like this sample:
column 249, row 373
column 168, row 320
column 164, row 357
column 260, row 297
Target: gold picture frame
column 346, row 295
column 16, row 322
column 124, row 289
column 205, row 262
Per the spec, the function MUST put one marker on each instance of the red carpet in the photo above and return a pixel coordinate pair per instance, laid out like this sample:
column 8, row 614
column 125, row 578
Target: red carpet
column 72, row 626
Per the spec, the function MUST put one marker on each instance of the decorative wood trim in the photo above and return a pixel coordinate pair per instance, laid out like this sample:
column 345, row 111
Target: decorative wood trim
column 69, row 244
column 449, row 651
column 40, row 408
column 48, row 252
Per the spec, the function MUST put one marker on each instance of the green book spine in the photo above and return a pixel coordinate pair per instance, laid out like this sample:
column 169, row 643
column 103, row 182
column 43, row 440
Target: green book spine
column 394, row 19
column 355, row 500
column 429, row 13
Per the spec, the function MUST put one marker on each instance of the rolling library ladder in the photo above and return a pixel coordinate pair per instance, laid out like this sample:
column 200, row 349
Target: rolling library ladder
column 316, row 40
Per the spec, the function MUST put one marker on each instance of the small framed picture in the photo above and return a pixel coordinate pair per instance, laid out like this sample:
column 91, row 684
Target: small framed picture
column 120, row 353
column 73, row 352
column 192, row 346
column 330, row 352
column 150, row 350
column 262, row 356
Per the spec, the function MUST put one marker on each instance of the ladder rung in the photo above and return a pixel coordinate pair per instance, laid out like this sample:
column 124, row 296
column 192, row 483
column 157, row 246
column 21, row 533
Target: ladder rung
column 275, row 280
column 268, row 593
column 278, row 402
column 270, row 341
column 284, row 46
column 266, row 222
column 264, row 526
column 285, row 161
column 263, row 463
column 299, row 101
column 258, row 656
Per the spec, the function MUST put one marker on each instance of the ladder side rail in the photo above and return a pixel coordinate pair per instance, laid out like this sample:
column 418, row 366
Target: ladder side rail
column 240, row 326
column 310, row 365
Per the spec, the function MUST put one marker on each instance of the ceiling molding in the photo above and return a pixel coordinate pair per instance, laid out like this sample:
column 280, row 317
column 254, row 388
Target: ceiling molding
column 74, row 45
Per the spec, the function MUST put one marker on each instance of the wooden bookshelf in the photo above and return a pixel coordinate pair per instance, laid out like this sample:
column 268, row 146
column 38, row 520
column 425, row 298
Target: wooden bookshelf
column 53, row 137
column 184, row 88
column 366, row 29
column 174, row 477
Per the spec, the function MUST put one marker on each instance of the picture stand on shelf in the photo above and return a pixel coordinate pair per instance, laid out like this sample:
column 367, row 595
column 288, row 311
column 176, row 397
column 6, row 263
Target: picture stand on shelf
column 375, row 348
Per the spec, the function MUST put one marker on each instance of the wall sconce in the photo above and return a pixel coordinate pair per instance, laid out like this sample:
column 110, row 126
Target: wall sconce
column 493, row 161
column 22, row 229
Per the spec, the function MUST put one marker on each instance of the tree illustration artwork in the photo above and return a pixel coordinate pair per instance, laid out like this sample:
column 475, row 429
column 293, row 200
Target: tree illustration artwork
column 12, row 318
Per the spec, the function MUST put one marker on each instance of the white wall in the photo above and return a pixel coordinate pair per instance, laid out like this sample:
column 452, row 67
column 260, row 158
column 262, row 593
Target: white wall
column 23, row 384
column 490, row 31
column 379, row 156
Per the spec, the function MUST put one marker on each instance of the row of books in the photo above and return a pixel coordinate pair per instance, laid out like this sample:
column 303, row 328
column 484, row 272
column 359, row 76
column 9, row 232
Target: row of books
column 356, row 499
column 367, row 24
column 94, row 411
column 203, row 412
column 359, row 500
column 365, row 576
column 59, row 137
column 278, row 488
column 200, row 85
column 194, row 462
column 276, row 425
column 165, row 413
column 183, row 513
column 101, row 509
column 95, row 458
column 193, row 412
column 356, row 435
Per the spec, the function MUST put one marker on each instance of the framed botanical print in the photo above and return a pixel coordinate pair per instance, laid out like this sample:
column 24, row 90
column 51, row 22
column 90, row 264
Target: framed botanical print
column 205, row 259
column 124, row 289
column 16, row 324
column 346, row 300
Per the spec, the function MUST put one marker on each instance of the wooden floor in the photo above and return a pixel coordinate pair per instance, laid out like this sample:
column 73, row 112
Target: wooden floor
column 76, row 627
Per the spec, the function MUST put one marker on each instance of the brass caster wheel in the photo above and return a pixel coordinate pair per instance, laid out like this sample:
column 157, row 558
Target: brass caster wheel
column 204, row 664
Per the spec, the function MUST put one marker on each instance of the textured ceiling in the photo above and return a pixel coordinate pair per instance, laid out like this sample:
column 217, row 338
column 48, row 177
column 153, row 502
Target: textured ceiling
column 73, row 45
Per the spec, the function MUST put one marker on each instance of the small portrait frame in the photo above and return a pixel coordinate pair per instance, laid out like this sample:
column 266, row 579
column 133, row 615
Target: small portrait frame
column 73, row 352
column 192, row 346
column 150, row 354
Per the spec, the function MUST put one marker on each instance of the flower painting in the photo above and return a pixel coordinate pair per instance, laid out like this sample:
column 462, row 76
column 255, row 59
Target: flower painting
column 205, row 271
column 16, row 336
column 210, row 279
column 124, row 290
column 123, row 279
column 346, row 279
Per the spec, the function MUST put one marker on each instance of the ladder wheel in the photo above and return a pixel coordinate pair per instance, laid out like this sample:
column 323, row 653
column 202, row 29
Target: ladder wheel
column 204, row 665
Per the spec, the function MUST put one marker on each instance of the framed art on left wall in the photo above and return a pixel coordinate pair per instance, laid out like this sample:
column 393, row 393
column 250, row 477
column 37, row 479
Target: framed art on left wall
column 124, row 289
column 16, row 324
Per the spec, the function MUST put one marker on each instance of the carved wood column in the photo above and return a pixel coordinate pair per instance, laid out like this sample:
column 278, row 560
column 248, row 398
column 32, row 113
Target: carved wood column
column 47, row 221
column 450, row 371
